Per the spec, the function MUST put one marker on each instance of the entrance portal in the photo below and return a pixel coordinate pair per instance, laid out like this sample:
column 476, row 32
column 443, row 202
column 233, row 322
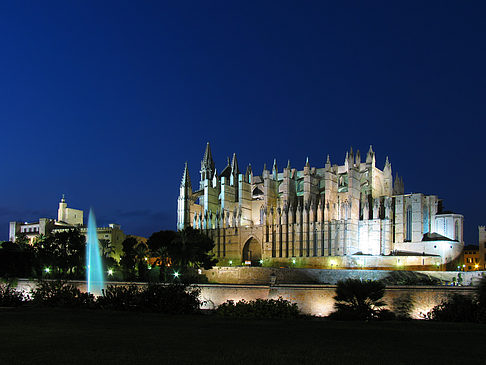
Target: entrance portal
column 252, row 251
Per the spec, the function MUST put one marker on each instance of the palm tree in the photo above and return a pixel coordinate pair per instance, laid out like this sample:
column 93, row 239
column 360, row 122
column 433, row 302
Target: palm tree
column 358, row 299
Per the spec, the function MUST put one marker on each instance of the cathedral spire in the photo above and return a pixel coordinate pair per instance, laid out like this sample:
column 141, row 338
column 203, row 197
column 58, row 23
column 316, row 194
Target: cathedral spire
column 387, row 166
column 370, row 157
column 234, row 165
column 275, row 169
column 186, row 179
column 288, row 164
column 307, row 162
column 207, row 164
column 248, row 174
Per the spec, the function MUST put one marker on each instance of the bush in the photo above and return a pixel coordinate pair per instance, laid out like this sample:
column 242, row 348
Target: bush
column 61, row 294
column 457, row 308
column 402, row 306
column 120, row 297
column 358, row 300
column 173, row 299
column 259, row 308
column 10, row 297
column 409, row 278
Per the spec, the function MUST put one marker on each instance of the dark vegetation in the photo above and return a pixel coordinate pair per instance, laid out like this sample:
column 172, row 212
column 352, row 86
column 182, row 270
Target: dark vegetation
column 167, row 256
column 402, row 277
column 259, row 308
column 461, row 308
column 162, row 298
column 360, row 300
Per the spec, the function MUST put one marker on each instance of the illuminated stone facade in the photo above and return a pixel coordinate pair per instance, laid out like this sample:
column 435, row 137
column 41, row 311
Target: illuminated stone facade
column 335, row 216
column 67, row 218
column 482, row 247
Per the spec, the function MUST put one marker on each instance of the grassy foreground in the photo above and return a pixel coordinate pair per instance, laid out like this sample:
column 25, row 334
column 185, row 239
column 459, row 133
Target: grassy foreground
column 59, row 336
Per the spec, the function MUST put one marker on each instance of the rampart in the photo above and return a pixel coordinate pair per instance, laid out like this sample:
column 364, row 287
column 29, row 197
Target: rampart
column 312, row 299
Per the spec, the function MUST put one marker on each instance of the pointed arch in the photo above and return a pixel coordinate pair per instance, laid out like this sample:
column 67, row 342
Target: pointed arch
column 252, row 251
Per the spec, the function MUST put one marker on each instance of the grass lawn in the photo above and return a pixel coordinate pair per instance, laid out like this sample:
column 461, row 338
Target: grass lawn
column 59, row 336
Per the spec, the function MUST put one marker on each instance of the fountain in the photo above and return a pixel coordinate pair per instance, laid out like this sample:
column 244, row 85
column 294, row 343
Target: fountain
column 94, row 268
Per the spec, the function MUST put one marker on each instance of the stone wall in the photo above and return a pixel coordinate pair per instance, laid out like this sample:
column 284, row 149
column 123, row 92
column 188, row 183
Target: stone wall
column 262, row 275
column 318, row 299
column 312, row 299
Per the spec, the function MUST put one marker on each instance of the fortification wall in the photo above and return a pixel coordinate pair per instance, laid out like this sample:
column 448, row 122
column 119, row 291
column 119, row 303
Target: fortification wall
column 311, row 299
column 318, row 299
column 262, row 275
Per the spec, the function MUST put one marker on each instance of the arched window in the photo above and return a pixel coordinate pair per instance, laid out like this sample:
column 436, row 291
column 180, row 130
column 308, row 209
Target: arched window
column 409, row 224
column 456, row 231
column 426, row 219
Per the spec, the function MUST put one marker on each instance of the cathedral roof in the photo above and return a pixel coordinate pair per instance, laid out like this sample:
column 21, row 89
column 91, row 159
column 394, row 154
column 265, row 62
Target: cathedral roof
column 435, row 237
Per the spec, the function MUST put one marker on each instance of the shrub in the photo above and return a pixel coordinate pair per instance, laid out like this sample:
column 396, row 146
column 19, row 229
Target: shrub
column 259, row 308
column 402, row 306
column 409, row 278
column 358, row 300
column 61, row 294
column 173, row 299
column 457, row 308
column 10, row 297
column 120, row 297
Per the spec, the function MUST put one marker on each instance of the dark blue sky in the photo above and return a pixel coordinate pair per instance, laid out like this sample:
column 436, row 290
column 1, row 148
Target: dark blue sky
column 105, row 101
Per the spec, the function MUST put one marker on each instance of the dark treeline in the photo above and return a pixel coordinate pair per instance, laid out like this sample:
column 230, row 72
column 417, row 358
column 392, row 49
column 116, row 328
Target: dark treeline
column 165, row 256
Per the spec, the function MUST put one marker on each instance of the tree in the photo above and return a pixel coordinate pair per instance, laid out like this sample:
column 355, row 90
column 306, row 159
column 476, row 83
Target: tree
column 158, row 245
column 63, row 252
column 107, row 249
column 21, row 238
column 141, row 252
column 191, row 248
column 128, row 258
column 16, row 260
column 184, row 250
column 356, row 299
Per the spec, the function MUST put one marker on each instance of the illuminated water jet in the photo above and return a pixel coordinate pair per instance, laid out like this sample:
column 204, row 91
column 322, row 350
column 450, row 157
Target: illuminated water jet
column 94, row 267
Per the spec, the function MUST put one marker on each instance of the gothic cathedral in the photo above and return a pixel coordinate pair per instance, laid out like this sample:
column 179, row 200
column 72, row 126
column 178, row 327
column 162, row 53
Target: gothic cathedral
column 337, row 216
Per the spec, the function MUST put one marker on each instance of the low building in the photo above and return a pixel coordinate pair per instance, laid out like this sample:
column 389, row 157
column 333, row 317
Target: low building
column 482, row 247
column 67, row 218
column 471, row 258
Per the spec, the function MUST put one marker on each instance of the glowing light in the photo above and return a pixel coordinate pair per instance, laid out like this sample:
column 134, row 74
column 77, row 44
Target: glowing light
column 231, row 262
column 110, row 271
column 199, row 271
column 47, row 270
column 293, row 261
column 261, row 261
column 476, row 266
column 176, row 274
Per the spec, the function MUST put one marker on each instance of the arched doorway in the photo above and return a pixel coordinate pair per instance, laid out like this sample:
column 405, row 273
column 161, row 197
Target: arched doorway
column 252, row 251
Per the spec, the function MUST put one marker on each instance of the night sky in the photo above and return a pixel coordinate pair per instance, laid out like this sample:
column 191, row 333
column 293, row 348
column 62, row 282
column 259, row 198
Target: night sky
column 105, row 101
